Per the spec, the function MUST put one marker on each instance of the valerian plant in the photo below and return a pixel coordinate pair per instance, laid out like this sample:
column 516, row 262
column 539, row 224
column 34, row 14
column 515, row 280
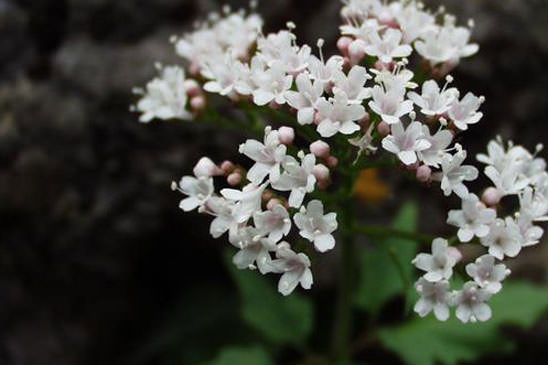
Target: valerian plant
column 385, row 100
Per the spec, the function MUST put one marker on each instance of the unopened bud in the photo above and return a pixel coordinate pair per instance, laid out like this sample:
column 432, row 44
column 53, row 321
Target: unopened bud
column 424, row 173
column 321, row 172
column 491, row 196
column 383, row 128
column 234, row 179
column 227, row 167
column 198, row 102
column 320, row 149
column 272, row 203
column 332, row 161
column 287, row 135
column 192, row 87
column 342, row 44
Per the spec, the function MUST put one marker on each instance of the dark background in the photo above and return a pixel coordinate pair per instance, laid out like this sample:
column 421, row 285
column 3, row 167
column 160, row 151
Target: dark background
column 97, row 264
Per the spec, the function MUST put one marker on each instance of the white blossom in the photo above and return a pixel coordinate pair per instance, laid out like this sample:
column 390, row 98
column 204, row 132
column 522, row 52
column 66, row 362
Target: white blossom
column 315, row 226
column 432, row 100
column 306, row 98
column 390, row 103
column 228, row 78
column 353, row 84
column 267, row 156
column 338, row 116
column 297, row 178
column 454, row 174
column 387, row 46
column 439, row 142
column 504, row 238
column 254, row 250
column 324, row 71
column 275, row 223
column 438, row 265
column 405, row 143
column 465, row 111
column 487, row 273
column 198, row 190
column 434, row 296
column 470, row 303
column 473, row 219
column 225, row 219
column 248, row 200
column 509, row 181
column 294, row 267
column 271, row 84
column 165, row 97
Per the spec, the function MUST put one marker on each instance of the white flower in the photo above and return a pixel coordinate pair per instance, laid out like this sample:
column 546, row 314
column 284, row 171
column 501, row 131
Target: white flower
column 509, row 181
column 248, row 200
column 228, row 78
column 297, row 178
column 324, row 71
column 254, row 249
column 295, row 269
column 275, row 223
column 439, row 264
column 445, row 44
column 470, row 303
column 487, row 274
column 271, row 84
column 439, row 142
column 406, row 142
column 504, row 238
column 432, row 100
column 337, row 115
column 276, row 47
column 530, row 234
column 390, row 103
column 388, row 46
column 199, row 190
column 353, row 84
column 500, row 159
column 413, row 22
column 454, row 174
column 317, row 227
column 165, row 97
column 306, row 98
column 465, row 112
column 434, row 296
column 400, row 78
column 533, row 204
column 473, row 219
column 225, row 219
column 267, row 156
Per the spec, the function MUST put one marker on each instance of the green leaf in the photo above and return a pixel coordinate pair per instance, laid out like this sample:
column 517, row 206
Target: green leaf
column 385, row 270
column 242, row 356
column 427, row 341
column 281, row 320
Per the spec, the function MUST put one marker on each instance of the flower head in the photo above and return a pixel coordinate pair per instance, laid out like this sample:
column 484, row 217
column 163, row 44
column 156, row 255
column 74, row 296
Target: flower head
column 438, row 265
column 317, row 227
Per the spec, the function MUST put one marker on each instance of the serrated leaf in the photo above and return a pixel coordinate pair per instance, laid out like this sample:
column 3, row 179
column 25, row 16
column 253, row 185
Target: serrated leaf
column 426, row 341
column 242, row 356
column 380, row 275
column 281, row 320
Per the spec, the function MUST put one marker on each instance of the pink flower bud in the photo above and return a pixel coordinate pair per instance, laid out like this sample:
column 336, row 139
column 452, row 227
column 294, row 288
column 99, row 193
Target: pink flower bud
column 320, row 149
column 272, row 203
column 234, row 179
column 383, row 128
column 364, row 122
column 491, row 196
column 194, row 68
column 267, row 195
column 356, row 52
column 342, row 44
column 198, row 102
column 274, row 105
column 227, row 167
column 332, row 161
column 287, row 135
column 192, row 87
column 206, row 167
column 321, row 172
column 424, row 173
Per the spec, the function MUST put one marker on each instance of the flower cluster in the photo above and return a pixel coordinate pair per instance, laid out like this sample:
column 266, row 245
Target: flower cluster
column 389, row 86
column 514, row 171
column 257, row 217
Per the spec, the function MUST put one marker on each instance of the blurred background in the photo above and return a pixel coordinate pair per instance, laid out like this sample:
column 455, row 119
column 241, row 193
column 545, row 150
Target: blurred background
column 97, row 264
